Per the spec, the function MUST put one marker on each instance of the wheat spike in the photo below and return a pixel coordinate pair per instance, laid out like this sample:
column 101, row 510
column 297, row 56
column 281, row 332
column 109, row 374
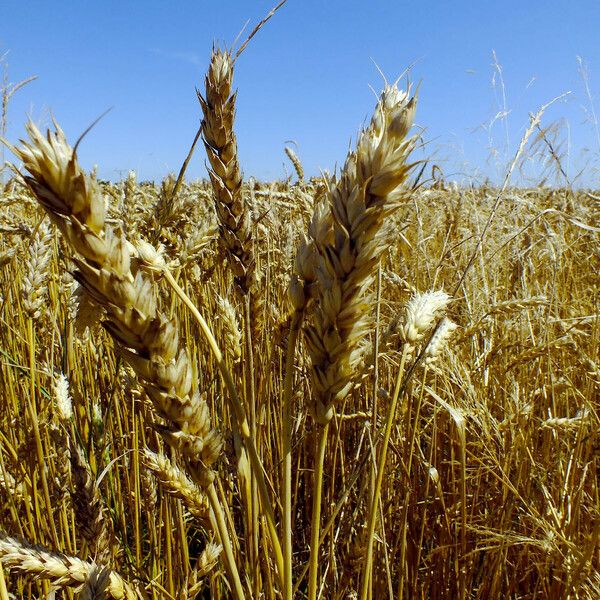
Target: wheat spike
column 62, row 570
column 235, row 216
column 176, row 482
column 350, row 234
column 296, row 162
column 89, row 507
column 36, row 272
column 146, row 338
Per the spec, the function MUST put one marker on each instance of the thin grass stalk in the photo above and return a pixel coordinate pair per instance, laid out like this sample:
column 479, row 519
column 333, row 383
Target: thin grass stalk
column 463, row 510
column 185, row 164
column 386, row 554
column 381, row 460
column 227, row 513
column 240, row 416
column 374, row 403
column 253, row 523
column 169, row 535
column 3, row 590
column 411, row 446
column 13, row 509
column 335, row 512
column 414, row 422
column 225, row 541
column 316, row 511
column 36, row 433
column 295, row 326
column 300, row 295
column 136, row 486
column 432, row 476
column 402, row 560
column 459, row 424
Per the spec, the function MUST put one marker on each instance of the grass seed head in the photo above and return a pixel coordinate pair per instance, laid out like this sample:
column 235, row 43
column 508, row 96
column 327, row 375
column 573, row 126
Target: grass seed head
column 421, row 312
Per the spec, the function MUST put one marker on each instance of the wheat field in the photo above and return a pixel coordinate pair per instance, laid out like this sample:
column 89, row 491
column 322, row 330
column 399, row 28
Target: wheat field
column 360, row 385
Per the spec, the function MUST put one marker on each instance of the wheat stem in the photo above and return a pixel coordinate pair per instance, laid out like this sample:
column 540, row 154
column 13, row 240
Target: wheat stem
column 225, row 540
column 36, row 434
column 287, row 452
column 366, row 580
column 3, row 590
column 253, row 522
column 316, row 512
column 239, row 414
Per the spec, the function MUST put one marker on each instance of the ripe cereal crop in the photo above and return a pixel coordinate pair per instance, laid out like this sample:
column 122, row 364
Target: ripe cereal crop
column 358, row 385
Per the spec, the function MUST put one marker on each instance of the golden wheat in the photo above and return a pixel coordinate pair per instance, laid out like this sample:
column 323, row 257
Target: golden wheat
column 259, row 397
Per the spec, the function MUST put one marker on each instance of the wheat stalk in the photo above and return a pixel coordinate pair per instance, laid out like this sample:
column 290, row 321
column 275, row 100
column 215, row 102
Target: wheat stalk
column 421, row 313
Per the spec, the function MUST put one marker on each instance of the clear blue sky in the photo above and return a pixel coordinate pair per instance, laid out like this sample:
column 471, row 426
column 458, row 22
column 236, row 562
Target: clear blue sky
column 305, row 77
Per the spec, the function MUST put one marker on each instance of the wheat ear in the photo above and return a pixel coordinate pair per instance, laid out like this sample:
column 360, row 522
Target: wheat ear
column 235, row 220
column 145, row 337
column 89, row 507
column 351, row 233
column 61, row 569
column 296, row 162
column 235, row 216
